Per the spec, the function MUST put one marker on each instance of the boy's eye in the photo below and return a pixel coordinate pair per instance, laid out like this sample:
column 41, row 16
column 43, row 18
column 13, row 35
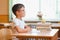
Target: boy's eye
column 22, row 10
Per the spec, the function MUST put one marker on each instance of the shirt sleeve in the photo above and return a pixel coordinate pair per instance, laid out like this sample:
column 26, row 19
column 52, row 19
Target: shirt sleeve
column 16, row 23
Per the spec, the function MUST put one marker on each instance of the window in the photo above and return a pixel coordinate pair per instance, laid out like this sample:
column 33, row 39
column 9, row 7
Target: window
column 49, row 8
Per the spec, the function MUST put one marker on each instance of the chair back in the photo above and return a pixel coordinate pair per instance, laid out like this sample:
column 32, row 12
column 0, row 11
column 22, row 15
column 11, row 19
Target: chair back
column 5, row 34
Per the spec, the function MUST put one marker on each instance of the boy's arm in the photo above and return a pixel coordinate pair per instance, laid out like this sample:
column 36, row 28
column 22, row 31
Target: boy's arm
column 21, row 30
column 16, row 27
column 27, row 26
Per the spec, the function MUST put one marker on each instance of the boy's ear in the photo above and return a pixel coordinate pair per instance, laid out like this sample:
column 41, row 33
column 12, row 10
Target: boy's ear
column 16, row 12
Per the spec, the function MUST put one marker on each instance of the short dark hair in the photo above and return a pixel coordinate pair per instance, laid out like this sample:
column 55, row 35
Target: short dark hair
column 16, row 7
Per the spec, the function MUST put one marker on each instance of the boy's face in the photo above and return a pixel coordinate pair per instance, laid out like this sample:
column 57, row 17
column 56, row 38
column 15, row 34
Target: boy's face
column 21, row 12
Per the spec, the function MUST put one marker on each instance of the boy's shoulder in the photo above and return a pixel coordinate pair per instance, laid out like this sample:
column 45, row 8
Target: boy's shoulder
column 15, row 19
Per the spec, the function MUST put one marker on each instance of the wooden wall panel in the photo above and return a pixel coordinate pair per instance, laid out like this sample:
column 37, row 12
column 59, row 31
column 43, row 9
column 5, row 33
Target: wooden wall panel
column 4, row 18
column 4, row 10
column 4, row 7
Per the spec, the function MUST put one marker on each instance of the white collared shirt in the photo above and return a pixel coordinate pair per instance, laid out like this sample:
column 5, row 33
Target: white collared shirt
column 19, row 23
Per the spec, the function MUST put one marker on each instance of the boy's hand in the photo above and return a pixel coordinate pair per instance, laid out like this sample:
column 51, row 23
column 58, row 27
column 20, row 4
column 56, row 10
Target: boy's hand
column 28, row 28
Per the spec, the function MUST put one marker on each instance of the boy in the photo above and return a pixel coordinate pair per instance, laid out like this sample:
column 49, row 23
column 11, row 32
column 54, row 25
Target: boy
column 19, row 12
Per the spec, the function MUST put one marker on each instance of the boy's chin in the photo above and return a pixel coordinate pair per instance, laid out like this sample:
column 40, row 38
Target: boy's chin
column 23, row 16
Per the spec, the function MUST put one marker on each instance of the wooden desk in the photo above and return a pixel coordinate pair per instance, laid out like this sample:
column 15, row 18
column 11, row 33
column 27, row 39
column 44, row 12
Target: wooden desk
column 56, row 26
column 5, row 25
column 50, row 35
